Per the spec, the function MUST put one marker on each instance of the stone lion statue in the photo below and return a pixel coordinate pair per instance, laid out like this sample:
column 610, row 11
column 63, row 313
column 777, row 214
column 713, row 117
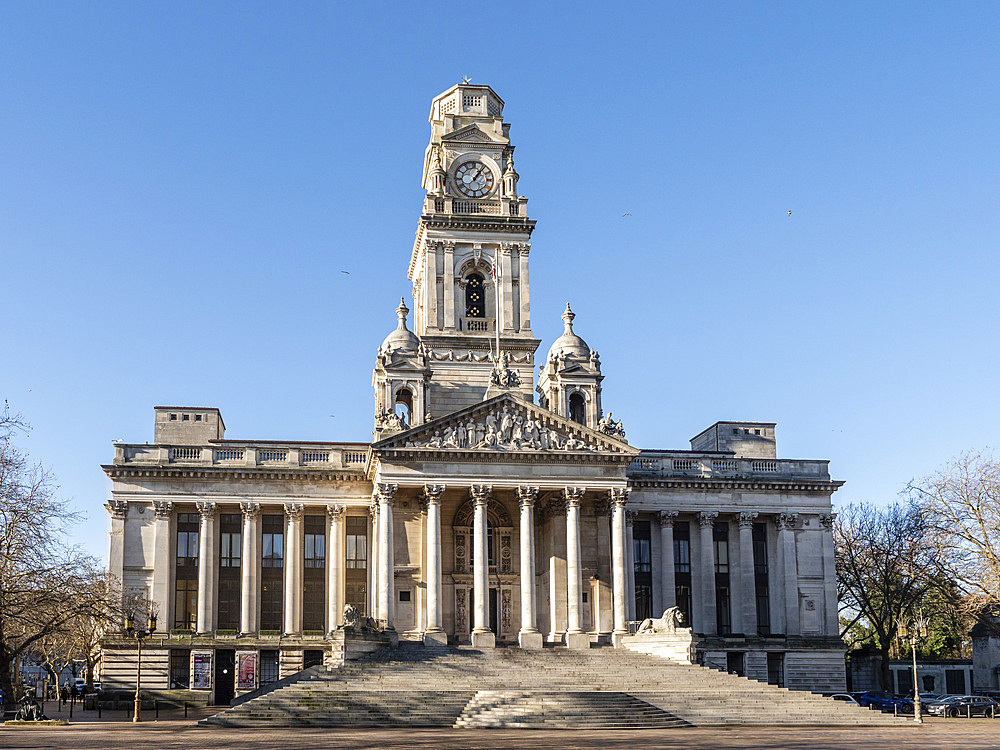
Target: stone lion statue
column 672, row 619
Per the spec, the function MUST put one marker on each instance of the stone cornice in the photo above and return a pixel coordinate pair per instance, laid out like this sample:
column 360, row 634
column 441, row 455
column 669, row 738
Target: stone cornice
column 505, row 457
column 479, row 222
column 695, row 483
column 189, row 472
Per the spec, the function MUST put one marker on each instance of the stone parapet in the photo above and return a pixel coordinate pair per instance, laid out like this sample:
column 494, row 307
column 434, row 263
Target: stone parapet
column 679, row 646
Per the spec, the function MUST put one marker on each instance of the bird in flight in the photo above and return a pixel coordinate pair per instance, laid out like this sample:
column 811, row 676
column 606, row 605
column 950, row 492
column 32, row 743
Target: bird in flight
column 349, row 273
column 789, row 213
column 626, row 214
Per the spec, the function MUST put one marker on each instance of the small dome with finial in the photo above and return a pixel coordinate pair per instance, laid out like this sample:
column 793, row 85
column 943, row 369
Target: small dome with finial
column 569, row 344
column 401, row 340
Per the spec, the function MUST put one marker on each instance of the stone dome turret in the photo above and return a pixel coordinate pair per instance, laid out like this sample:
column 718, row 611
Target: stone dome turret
column 402, row 340
column 569, row 344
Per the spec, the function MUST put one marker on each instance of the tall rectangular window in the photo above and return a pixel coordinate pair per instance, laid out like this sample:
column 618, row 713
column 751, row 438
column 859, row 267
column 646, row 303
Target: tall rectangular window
column 180, row 661
column 314, row 578
column 761, row 579
column 682, row 568
column 186, row 604
column 643, row 570
column 356, row 575
column 228, row 601
column 720, row 538
column 271, row 573
column 186, row 572
column 274, row 550
column 315, row 552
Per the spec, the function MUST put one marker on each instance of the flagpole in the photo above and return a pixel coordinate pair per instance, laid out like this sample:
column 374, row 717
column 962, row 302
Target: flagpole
column 496, row 292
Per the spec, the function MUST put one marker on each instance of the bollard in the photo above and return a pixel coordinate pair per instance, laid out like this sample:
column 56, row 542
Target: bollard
column 71, row 702
column 156, row 709
column 185, row 709
column 98, row 702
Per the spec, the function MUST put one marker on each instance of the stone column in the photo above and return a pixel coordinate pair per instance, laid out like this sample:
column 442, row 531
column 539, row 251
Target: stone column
column 522, row 286
column 507, row 301
column 528, row 636
column 293, row 568
column 434, row 631
column 430, row 286
column 788, row 570
column 386, row 494
column 619, row 585
column 630, row 517
column 668, row 586
column 575, row 636
column 116, row 552
column 373, row 561
column 748, row 576
column 249, row 588
column 450, row 313
column 162, row 564
column 482, row 636
column 335, row 566
column 830, row 605
column 206, row 568
column 709, row 621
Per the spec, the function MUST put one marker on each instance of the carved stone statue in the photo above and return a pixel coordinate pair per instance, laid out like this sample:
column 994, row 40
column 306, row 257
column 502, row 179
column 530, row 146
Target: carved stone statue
column 503, row 376
column 610, row 427
column 352, row 617
column 387, row 419
column 671, row 620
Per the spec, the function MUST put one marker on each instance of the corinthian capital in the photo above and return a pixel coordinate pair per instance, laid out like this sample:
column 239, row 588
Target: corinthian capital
column 294, row 511
column 573, row 496
column 826, row 520
column 747, row 518
column 117, row 508
column 619, row 496
column 707, row 517
column 526, row 496
column 162, row 508
column 251, row 511
column 336, row 512
column 667, row 518
column 787, row 520
column 207, row 510
column 384, row 493
column 481, row 493
column 433, row 493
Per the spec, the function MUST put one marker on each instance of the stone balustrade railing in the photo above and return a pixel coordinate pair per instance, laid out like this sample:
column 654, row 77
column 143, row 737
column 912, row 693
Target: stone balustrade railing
column 448, row 205
column 683, row 464
column 270, row 455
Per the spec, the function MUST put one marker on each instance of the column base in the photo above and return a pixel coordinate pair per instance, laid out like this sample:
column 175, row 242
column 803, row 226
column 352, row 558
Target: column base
column 616, row 638
column 484, row 640
column 435, row 636
column 577, row 640
column 530, row 639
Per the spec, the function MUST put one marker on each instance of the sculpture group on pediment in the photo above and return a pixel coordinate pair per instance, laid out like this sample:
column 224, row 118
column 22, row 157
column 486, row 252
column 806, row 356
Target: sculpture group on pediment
column 610, row 427
column 387, row 419
column 507, row 430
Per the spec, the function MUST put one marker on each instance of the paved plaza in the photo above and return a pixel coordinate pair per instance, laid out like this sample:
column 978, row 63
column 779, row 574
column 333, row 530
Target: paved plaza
column 175, row 733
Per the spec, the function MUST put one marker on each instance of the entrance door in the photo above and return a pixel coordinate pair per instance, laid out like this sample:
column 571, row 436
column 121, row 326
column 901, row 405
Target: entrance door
column 225, row 679
column 494, row 597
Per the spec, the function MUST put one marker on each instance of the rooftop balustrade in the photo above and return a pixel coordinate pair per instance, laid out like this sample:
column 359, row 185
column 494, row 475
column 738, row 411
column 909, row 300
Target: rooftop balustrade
column 680, row 464
column 319, row 456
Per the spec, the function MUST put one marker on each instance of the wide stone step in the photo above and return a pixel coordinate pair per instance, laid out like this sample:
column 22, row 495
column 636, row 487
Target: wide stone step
column 569, row 710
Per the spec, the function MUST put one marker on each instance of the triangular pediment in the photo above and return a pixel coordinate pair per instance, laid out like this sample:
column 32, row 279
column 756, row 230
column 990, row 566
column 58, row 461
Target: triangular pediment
column 468, row 133
column 505, row 424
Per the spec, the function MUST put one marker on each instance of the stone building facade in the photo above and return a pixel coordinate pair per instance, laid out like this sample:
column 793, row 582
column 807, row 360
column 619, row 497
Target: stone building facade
column 490, row 506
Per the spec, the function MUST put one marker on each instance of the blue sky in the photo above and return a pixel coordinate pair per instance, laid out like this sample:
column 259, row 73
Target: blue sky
column 181, row 185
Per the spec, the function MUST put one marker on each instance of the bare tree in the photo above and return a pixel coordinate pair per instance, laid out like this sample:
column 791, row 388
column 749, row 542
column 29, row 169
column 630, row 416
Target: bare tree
column 962, row 500
column 44, row 582
column 885, row 567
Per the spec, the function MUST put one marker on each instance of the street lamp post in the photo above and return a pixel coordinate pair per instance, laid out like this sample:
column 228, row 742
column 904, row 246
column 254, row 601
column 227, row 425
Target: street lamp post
column 138, row 634
column 916, row 629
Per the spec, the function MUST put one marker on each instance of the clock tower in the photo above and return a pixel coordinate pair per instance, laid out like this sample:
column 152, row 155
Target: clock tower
column 469, row 265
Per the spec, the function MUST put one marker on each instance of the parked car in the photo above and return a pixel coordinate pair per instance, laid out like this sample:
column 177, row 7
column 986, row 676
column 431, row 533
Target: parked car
column 883, row 700
column 955, row 706
column 846, row 698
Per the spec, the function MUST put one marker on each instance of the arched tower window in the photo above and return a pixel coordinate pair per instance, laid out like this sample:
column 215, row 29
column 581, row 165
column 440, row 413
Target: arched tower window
column 404, row 405
column 475, row 297
column 578, row 409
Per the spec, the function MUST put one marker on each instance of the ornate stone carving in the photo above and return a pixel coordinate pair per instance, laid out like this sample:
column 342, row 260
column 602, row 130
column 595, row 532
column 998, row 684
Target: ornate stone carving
column 671, row 620
column 526, row 496
column 505, row 555
column 294, row 511
column 336, row 512
column 707, row 517
column 667, row 517
column 461, row 611
column 503, row 376
column 826, row 520
column 619, row 495
column 481, row 493
column 505, row 610
column 206, row 509
column 384, row 493
column 747, row 518
column 433, row 492
column 787, row 520
column 461, row 553
column 630, row 517
column 162, row 509
column 117, row 508
column 387, row 419
column 501, row 518
column 573, row 496
column 251, row 511
column 606, row 424
column 602, row 506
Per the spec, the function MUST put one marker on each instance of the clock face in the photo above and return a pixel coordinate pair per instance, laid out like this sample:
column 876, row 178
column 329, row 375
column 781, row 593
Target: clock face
column 474, row 179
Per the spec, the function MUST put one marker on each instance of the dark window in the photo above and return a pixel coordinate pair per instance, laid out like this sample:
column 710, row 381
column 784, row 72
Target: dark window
column 404, row 596
column 954, row 681
column 186, row 604
column 475, row 297
column 723, row 615
column 312, row 658
column 268, row 667
column 404, row 404
column 179, row 668
column 230, row 526
column 356, row 575
column 760, row 579
column 642, row 570
column 904, row 681
column 315, row 550
column 271, row 579
column 776, row 668
column 578, row 408
column 682, row 569
column 735, row 663
column 313, row 579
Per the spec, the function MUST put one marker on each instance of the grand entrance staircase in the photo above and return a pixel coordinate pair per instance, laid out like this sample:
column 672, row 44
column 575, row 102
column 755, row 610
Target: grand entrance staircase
column 417, row 685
